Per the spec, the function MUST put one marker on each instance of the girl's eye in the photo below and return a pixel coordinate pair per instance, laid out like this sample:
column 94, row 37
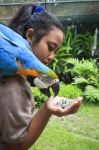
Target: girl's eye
column 51, row 47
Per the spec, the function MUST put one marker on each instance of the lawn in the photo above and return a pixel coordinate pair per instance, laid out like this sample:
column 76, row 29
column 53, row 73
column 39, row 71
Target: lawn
column 75, row 132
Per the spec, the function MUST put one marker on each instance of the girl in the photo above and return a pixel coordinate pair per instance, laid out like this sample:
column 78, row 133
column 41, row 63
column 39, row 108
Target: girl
column 19, row 126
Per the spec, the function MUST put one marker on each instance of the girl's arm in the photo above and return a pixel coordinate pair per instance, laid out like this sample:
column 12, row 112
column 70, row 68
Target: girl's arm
column 41, row 118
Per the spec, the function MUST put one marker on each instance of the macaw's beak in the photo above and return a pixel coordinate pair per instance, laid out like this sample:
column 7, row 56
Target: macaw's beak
column 55, row 88
column 51, row 90
column 46, row 85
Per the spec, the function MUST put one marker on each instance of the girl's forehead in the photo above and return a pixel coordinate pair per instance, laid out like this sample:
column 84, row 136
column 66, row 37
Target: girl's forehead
column 55, row 35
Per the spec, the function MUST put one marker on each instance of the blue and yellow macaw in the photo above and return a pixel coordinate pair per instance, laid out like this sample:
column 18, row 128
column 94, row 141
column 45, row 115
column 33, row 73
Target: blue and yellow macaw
column 17, row 58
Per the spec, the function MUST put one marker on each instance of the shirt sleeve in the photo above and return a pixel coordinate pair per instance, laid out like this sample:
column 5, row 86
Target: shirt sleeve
column 16, row 109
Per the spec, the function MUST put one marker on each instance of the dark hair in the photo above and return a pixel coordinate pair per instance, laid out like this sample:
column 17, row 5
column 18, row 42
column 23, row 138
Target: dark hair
column 41, row 22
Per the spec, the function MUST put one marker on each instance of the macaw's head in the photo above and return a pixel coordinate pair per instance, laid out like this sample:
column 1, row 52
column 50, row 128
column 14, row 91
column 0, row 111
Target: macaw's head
column 47, row 85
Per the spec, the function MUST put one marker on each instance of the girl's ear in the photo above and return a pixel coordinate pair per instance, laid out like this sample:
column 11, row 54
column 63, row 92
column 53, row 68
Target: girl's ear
column 29, row 35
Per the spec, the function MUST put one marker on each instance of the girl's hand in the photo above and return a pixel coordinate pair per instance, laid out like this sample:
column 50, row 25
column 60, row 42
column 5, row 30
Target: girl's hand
column 51, row 105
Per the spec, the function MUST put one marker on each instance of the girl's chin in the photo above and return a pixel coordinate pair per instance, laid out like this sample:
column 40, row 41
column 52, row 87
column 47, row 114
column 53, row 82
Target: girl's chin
column 46, row 62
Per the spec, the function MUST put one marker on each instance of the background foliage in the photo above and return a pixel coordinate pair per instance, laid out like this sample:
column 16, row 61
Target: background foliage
column 76, row 63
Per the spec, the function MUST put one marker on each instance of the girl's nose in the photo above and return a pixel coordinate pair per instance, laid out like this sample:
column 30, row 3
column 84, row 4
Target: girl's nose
column 51, row 56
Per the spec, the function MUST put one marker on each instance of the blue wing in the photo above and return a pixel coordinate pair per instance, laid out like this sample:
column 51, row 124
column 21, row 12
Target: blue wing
column 12, row 48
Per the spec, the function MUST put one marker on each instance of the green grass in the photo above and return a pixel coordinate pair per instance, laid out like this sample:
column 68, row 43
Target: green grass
column 75, row 132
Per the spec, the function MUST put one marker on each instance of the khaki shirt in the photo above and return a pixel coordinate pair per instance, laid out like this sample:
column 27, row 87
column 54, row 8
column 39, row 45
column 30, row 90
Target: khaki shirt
column 16, row 109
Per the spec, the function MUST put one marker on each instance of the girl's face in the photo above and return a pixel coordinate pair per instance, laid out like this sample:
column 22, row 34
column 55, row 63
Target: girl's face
column 48, row 45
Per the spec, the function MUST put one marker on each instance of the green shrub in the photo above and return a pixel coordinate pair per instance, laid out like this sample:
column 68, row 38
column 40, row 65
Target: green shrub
column 69, row 91
column 85, row 68
column 91, row 94
column 82, row 46
column 80, row 82
column 38, row 96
